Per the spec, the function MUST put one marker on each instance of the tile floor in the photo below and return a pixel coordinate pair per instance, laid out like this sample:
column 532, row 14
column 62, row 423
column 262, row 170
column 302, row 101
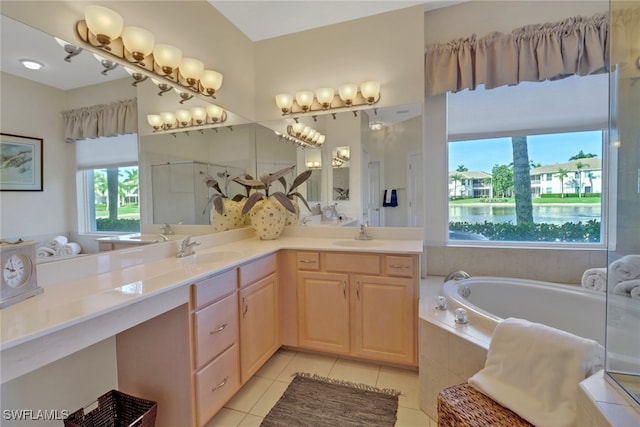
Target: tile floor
column 262, row 391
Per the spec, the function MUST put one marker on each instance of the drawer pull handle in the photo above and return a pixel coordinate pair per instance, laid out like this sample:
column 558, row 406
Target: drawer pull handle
column 220, row 329
column 358, row 289
column 398, row 266
column 245, row 306
column 224, row 381
column 344, row 289
column 307, row 261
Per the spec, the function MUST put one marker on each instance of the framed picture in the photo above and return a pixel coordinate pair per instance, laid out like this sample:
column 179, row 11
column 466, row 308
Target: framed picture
column 20, row 163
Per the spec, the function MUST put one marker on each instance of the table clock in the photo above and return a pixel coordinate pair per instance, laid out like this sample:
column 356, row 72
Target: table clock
column 18, row 279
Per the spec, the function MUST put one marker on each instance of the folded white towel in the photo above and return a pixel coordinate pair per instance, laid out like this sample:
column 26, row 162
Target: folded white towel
column 534, row 370
column 69, row 249
column 57, row 241
column 625, row 268
column 625, row 287
column 595, row 279
column 45, row 251
column 635, row 293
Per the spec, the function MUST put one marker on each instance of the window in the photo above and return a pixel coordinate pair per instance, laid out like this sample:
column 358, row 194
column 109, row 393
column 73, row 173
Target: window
column 541, row 155
column 108, row 184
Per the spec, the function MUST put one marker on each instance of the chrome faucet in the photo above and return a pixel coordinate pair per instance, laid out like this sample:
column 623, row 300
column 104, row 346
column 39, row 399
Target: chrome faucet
column 187, row 248
column 362, row 235
column 457, row 275
column 166, row 230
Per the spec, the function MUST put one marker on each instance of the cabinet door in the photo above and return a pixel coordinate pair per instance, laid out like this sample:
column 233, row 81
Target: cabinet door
column 384, row 319
column 323, row 311
column 258, row 325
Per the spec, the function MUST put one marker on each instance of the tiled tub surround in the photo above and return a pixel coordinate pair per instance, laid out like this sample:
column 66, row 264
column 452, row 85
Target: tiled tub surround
column 450, row 353
column 89, row 300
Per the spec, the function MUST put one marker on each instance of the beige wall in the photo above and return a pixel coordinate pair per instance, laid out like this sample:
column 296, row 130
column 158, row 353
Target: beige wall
column 32, row 109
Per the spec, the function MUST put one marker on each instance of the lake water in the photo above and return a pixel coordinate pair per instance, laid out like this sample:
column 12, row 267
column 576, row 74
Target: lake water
column 549, row 214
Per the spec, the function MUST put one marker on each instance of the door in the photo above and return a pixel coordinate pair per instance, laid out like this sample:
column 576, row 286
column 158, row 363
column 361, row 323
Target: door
column 415, row 190
column 258, row 325
column 374, row 192
column 383, row 318
column 323, row 311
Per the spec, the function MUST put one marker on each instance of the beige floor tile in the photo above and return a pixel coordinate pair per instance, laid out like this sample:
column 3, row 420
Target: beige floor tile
column 269, row 398
column 251, row 421
column 276, row 364
column 249, row 394
column 306, row 362
column 411, row 418
column 404, row 380
column 357, row 372
column 226, row 418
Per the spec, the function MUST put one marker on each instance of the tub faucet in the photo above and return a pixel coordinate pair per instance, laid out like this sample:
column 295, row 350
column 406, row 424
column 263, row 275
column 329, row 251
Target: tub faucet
column 362, row 235
column 187, row 248
column 166, row 230
column 457, row 275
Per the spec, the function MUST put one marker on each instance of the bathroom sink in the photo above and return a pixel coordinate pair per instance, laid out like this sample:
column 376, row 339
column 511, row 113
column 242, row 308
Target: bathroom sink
column 210, row 257
column 353, row 243
column 155, row 238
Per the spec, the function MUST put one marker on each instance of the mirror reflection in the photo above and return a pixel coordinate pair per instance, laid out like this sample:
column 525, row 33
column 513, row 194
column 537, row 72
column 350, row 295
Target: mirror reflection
column 340, row 161
column 313, row 162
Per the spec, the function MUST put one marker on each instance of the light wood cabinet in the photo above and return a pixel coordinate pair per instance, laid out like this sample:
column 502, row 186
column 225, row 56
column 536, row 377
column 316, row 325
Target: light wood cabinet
column 258, row 305
column 323, row 311
column 363, row 305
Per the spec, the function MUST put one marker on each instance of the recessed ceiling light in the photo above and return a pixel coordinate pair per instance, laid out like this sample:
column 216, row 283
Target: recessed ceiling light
column 376, row 126
column 32, row 65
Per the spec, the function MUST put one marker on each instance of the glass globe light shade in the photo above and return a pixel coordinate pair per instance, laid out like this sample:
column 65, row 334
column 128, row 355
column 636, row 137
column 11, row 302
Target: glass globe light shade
column 211, row 80
column 191, row 69
column 199, row 114
column 167, row 57
column 154, row 120
column 304, row 98
column 138, row 41
column 348, row 92
column 214, row 112
column 105, row 23
column 370, row 90
column 168, row 118
column 325, row 96
column 183, row 116
column 298, row 128
column 284, row 101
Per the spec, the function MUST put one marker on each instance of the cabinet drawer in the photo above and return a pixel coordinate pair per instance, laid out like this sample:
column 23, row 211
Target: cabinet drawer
column 352, row 263
column 398, row 266
column 257, row 269
column 208, row 290
column 216, row 384
column 216, row 328
column 308, row 261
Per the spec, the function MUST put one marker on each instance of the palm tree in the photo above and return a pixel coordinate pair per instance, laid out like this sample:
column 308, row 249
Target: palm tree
column 562, row 174
column 462, row 168
column 522, row 180
column 580, row 166
column 455, row 178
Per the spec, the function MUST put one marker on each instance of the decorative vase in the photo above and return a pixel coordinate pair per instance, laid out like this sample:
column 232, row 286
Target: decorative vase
column 268, row 218
column 293, row 218
column 231, row 217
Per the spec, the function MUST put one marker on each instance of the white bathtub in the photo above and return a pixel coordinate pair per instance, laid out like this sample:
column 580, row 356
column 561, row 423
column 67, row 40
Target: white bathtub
column 491, row 299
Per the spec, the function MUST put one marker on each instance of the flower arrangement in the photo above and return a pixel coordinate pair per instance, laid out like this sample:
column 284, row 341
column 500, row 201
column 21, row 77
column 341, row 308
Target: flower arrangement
column 226, row 213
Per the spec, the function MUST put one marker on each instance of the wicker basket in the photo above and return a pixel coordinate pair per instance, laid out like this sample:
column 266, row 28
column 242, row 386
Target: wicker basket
column 116, row 409
column 463, row 406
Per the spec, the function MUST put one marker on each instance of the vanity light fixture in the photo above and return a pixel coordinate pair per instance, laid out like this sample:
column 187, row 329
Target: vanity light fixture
column 184, row 96
column 314, row 165
column 343, row 156
column 69, row 48
column 164, row 87
column 104, row 29
column 376, row 126
column 183, row 119
column 305, row 135
column 325, row 99
column 107, row 64
column 136, row 76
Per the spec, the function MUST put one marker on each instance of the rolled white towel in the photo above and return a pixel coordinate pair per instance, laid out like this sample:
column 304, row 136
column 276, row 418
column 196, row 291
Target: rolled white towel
column 635, row 293
column 44, row 251
column 69, row 249
column 595, row 279
column 627, row 287
column 625, row 268
column 57, row 241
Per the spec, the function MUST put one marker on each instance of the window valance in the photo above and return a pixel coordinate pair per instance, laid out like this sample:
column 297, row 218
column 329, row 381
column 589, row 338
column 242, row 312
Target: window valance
column 102, row 120
column 577, row 45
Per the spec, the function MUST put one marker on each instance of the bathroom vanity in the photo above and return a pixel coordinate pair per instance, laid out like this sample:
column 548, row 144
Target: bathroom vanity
column 189, row 332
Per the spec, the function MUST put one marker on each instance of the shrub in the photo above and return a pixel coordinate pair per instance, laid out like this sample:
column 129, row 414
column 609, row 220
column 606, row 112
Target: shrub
column 588, row 231
column 106, row 224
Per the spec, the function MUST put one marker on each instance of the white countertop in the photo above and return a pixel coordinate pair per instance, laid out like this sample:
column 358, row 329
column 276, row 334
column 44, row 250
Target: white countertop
column 133, row 283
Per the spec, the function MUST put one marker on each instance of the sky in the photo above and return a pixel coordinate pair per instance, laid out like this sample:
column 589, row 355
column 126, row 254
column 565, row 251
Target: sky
column 482, row 155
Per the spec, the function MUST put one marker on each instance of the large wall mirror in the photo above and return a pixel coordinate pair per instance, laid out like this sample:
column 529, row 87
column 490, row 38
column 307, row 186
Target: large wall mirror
column 171, row 187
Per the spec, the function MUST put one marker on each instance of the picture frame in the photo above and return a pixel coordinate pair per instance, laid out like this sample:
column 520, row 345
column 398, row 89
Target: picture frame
column 20, row 163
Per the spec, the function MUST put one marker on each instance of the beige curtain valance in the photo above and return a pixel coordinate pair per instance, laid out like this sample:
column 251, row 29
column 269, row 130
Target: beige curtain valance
column 103, row 120
column 532, row 53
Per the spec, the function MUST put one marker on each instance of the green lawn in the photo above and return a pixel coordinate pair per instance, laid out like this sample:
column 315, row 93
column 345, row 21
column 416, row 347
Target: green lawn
column 535, row 200
column 123, row 211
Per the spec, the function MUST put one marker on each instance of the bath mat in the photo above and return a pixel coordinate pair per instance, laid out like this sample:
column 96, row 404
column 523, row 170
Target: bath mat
column 311, row 400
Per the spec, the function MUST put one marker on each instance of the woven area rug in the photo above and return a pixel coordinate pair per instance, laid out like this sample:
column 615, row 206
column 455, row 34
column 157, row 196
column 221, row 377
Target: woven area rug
column 315, row 401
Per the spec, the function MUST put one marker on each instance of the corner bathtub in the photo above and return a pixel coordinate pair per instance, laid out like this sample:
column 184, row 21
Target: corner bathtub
column 491, row 299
